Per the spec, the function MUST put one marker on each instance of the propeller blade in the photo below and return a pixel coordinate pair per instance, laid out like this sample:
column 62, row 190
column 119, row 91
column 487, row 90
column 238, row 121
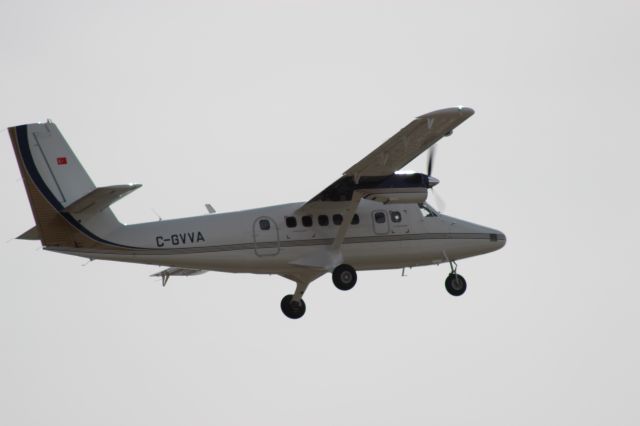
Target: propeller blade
column 432, row 154
column 441, row 206
column 439, row 201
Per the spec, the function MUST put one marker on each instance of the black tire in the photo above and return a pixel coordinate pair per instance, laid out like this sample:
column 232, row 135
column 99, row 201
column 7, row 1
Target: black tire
column 344, row 277
column 455, row 284
column 293, row 310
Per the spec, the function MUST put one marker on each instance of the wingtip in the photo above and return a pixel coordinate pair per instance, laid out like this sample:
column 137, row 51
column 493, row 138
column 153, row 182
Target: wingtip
column 466, row 110
column 460, row 109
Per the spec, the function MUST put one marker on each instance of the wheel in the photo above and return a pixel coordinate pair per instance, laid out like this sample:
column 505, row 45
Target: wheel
column 344, row 277
column 455, row 284
column 293, row 310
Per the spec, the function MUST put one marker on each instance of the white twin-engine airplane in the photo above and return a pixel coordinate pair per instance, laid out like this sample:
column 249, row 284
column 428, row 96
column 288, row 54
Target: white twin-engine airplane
column 373, row 217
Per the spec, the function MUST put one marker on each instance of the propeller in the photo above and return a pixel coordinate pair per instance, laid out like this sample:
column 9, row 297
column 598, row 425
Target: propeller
column 439, row 201
column 430, row 157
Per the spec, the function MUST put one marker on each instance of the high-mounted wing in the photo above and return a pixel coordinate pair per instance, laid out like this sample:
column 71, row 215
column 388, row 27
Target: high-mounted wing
column 409, row 142
column 374, row 178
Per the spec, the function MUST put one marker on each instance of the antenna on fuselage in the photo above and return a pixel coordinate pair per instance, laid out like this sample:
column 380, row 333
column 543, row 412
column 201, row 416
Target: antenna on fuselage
column 209, row 208
column 156, row 213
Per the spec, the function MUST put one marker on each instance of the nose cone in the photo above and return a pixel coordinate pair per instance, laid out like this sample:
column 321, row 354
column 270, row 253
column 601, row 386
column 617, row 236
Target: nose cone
column 475, row 239
column 499, row 238
column 496, row 239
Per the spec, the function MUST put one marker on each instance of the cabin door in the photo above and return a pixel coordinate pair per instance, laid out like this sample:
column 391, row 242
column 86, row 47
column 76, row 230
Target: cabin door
column 265, row 237
column 380, row 222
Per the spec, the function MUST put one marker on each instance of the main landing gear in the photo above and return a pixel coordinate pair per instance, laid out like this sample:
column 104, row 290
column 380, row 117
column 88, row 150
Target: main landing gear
column 292, row 305
column 455, row 283
column 344, row 277
column 292, row 309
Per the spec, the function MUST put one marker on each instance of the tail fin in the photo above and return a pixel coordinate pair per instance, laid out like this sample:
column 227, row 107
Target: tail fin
column 68, row 208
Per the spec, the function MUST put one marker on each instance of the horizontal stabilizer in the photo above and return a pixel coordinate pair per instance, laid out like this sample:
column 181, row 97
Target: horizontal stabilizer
column 174, row 271
column 99, row 199
column 31, row 234
column 178, row 272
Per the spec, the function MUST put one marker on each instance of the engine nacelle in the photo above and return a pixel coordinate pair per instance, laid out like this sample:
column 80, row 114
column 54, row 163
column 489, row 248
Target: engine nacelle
column 396, row 188
column 397, row 196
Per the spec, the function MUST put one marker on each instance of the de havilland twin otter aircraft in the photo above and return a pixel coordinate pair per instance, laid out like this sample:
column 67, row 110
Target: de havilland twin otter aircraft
column 373, row 217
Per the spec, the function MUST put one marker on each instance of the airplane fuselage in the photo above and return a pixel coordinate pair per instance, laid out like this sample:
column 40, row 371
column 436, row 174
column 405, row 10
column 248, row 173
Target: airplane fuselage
column 269, row 240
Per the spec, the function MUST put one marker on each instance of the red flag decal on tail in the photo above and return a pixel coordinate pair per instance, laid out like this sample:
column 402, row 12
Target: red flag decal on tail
column 61, row 161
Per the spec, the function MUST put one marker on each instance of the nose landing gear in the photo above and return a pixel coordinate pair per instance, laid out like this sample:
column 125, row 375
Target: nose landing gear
column 455, row 284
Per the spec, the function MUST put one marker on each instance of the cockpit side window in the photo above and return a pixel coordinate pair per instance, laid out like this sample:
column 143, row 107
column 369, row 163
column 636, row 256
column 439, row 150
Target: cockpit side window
column 427, row 210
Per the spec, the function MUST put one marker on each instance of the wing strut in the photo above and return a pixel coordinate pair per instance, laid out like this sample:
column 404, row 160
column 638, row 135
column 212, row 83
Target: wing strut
column 328, row 257
column 348, row 217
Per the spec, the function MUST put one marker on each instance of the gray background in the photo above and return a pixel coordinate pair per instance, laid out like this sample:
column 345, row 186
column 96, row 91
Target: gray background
column 246, row 104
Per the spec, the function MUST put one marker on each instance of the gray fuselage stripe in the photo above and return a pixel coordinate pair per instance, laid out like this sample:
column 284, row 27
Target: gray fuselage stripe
column 291, row 243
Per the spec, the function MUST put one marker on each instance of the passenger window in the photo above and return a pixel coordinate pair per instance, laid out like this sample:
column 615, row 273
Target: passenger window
column 307, row 221
column 395, row 217
column 323, row 220
column 265, row 225
column 380, row 217
column 355, row 220
column 291, row 221
column 337, row 219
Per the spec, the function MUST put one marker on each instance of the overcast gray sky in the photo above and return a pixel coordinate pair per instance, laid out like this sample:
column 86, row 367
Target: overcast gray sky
column 246, row 104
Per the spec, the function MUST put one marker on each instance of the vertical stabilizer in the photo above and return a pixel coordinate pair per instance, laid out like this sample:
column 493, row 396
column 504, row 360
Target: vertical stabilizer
column 55, row 179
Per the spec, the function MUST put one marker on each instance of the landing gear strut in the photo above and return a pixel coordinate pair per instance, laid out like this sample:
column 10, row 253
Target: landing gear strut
column 344, row 277
column 455, row 283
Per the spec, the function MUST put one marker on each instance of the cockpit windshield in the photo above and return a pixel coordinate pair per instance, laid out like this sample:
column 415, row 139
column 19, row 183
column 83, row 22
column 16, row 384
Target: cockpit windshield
column 427, row 210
